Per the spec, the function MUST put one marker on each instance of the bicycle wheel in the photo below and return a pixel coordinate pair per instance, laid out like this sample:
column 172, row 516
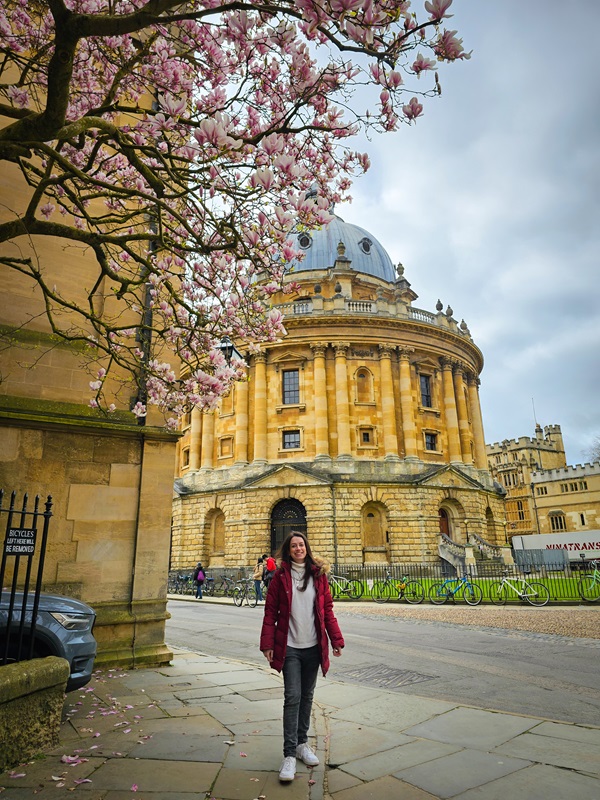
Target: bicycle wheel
column 238, row 596
column 438, row 594
column 354, row 589
column 472, row 594
column 229, row 588
column 498, row 593
column 536, row 594
column 251, row 597
column 413, row 592
column 208, row 588
column 381, row 592
column 589, row 589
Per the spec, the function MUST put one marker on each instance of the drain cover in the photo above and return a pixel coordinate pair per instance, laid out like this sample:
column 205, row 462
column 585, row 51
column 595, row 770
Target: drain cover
column 386, row 677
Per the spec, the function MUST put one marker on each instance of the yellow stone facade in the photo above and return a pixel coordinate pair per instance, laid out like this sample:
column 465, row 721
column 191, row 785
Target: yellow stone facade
column 110, row 479
column 543, row 493
column 362, row 425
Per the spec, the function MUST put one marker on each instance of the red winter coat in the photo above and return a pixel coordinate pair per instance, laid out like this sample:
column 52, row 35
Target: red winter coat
column 276, row 621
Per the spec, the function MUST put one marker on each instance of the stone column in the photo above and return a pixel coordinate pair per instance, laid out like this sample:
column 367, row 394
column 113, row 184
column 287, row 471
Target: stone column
column 195, row 439
column 409, row 427
column 208, row 440
column 341, row 400
column 388, row 406
column 478, row 434
column 454, row 450
column 464, row 428
column 241, row 422
column 260, row 408
column 320, row 395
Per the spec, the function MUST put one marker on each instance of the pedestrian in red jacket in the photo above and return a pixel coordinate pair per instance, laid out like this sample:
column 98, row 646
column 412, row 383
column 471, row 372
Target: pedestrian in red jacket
column 297, row 626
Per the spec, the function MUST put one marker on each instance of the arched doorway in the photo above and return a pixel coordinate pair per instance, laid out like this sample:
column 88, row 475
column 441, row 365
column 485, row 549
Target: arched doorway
column 374, row 533
column 445, row 526
column 287, row 515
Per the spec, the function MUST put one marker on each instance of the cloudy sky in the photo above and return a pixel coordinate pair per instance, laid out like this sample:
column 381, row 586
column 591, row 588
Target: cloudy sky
column 491, row 202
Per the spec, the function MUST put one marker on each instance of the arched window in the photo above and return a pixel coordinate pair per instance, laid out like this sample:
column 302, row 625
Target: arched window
column 287, row 515
column 364, row 386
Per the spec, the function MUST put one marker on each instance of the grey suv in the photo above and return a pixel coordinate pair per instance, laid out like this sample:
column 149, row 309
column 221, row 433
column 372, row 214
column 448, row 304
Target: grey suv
column 63, row 628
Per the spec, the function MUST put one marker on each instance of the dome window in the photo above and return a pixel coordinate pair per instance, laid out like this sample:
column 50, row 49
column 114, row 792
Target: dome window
column 304, row 241
column 365, row 245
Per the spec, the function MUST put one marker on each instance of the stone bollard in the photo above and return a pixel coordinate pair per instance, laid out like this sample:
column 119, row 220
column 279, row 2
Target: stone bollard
column 32, row 695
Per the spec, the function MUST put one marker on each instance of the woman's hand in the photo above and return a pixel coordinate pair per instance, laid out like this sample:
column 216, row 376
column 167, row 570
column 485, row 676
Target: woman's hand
column 337, row 651
column 268, row 654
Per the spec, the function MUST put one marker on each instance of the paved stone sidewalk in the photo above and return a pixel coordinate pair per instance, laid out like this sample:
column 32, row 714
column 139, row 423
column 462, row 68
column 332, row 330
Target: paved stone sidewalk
column 206, row 727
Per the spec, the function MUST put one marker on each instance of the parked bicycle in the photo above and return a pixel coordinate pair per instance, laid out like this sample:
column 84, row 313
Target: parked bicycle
column 411, row 591
column 341, row 586
column 470, row 592
column 589, row 585
column 222, row 586
column 535, row 593
column 182, row 584
column 244, row 590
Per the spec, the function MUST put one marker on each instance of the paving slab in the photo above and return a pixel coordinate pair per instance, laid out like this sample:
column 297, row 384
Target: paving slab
column 343, row 695
column 349, row 741
column 255, row 752
column 390, row 762
column 558, row 752
column 188, row 747
column 472, row 727
column 392, row 711
column 154, row 775
column 450, row 775
column 538, row 782
column 387, row 788
column 574, row 733
column 243, row 710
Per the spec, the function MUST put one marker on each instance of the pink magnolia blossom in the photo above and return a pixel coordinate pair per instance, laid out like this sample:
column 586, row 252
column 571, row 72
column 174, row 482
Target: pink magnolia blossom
column 437, row 9
column 413, row 109
column 183, row 151
column 421, row 63
column 449, row 48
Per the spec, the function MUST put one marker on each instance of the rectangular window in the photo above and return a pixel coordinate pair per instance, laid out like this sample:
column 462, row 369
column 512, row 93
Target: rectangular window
column 431, row 441
column 366, row 437
column 583, row 486
column 185, row 457
column 542, row 490
column 425, row 381
column 582, row 518
column 290, row 386
column 557, row 522
column 290, row 440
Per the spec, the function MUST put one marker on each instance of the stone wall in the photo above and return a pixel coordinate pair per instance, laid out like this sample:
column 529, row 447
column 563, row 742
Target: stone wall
column 108, row 544
column 32, row 696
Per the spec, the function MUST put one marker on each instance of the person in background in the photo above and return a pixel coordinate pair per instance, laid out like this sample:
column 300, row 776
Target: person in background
column 257, row 576
column 297, row 626
column 198, row 577
column 269, row 567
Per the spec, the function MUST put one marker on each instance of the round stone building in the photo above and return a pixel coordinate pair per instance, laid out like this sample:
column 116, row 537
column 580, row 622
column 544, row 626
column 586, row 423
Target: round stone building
column 361, row 427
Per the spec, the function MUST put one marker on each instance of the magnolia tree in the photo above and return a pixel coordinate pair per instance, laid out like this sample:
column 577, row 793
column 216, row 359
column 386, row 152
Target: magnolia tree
column 176, row 142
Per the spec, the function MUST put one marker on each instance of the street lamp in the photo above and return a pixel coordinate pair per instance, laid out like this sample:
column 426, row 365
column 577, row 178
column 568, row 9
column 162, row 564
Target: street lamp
column 229, row 350
column 537, row 519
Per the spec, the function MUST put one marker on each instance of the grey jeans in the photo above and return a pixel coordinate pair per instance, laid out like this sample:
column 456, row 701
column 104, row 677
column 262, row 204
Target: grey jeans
column 300, row 670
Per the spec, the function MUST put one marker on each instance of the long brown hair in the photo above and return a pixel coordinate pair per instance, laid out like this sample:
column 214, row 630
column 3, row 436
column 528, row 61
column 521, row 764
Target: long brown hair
column 284, row 554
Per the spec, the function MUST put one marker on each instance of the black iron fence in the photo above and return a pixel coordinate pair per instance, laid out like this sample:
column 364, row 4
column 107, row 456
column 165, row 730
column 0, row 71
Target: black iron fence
column 23, row 541
column 562, row 580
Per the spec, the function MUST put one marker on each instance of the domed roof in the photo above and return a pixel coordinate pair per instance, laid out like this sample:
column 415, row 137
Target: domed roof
column 362, row 249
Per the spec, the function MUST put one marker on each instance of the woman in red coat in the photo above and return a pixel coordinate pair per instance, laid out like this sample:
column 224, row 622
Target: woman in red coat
column 297, row 626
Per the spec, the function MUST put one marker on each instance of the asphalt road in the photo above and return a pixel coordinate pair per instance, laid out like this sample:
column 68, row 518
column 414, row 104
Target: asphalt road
column 544, row 675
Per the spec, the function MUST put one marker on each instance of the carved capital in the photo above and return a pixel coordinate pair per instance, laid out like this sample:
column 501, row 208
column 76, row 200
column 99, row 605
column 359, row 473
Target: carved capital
column 386, row 350
column 447, row 363
column 341, row 349
column 260, row 358
column 318, row 348
column 406, row 353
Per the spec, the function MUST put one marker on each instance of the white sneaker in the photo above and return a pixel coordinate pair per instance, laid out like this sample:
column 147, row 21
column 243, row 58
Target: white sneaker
column 287, row 771
column 304, row 753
